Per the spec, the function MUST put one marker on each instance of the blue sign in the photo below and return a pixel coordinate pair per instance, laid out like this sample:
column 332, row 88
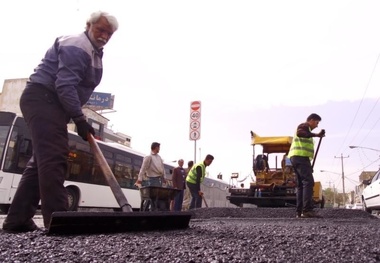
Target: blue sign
column 100, row 99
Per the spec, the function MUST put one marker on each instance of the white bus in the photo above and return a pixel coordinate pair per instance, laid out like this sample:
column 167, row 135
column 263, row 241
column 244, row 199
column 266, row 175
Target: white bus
column 85, row 183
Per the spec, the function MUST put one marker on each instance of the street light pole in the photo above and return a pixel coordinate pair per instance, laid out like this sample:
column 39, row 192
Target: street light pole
column 354, row 146
column 344, row 193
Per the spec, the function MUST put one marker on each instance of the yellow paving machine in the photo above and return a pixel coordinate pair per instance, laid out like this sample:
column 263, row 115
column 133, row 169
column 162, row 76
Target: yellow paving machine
column 275, row 184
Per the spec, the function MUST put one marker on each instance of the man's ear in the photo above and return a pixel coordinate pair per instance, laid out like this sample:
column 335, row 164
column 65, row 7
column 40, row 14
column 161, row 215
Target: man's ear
column 88, row 24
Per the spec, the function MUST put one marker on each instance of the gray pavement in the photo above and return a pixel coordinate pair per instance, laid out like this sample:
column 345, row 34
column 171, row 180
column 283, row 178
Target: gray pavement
column 215, row 235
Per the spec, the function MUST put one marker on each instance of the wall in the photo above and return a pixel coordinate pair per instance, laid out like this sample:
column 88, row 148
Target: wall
column 10, row 95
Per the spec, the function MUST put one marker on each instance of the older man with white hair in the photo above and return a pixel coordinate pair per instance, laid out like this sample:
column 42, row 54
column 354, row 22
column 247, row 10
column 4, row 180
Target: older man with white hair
column 55, row 93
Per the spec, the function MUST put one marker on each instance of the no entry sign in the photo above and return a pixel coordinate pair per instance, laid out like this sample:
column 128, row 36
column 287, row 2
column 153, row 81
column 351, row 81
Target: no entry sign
column 195, row 120
column 195, row 105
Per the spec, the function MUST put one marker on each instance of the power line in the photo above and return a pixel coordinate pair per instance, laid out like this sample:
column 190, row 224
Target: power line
column 361, row 102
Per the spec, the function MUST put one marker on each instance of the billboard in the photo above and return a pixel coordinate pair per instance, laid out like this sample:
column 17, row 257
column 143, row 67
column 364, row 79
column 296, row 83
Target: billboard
column 100, row 100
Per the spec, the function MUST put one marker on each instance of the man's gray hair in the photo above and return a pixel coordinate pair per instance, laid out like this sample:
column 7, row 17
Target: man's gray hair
column 94, row 17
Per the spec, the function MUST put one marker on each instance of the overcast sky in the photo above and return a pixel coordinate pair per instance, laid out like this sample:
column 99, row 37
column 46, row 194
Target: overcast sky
column 255, row 65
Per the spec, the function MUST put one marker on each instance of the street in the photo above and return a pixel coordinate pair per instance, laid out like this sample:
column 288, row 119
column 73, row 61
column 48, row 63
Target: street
column 215, row 235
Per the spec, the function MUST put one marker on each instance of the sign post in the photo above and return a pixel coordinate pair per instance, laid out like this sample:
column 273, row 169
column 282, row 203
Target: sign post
column 195, row 124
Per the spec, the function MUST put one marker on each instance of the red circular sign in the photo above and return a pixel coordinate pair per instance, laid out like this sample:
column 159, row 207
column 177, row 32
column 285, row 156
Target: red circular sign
column 195, row 105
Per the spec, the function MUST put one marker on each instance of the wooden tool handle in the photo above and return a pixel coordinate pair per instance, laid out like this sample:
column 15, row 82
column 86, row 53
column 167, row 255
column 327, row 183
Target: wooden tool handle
column 204, row 200
column 316, row 152
column 109, row 176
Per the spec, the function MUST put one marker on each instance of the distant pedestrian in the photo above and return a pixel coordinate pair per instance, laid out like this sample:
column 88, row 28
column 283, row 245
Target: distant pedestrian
column 186, row 194
column 195, row 178
column 178, row 178
column 301, row 153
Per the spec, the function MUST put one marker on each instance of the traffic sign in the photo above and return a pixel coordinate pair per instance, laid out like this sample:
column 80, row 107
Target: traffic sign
column 195, row 135
column 195, row 120
column 194, row 125
column 195, row 105
column 195, row 115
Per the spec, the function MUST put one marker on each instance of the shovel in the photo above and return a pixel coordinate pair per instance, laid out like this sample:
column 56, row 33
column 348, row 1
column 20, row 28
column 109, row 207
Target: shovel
column 204, row 200
column 316, row 152
column 72, row 222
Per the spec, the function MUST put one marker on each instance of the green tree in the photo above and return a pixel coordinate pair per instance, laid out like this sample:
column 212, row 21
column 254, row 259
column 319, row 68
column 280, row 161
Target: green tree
column 328, row 193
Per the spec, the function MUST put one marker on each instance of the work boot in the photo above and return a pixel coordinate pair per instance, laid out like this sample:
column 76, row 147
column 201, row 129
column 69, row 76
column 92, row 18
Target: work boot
column 310, row 214
column 14, row 228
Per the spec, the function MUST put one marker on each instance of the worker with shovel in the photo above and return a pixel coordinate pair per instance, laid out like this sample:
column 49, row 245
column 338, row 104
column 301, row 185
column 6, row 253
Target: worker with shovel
column 194, row 179
column 55, row 93
column 301, row 153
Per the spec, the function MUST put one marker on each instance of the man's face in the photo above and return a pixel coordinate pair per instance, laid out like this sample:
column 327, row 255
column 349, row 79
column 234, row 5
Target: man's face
column 100, row 32
column 157, row 149
column 208, row 162
column 180, row 163
column 313, row 124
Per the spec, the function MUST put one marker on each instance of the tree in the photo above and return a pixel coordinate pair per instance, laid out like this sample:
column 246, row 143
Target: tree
column 328, row 193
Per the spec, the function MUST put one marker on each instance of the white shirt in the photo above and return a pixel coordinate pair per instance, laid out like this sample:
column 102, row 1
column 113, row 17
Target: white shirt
column 152, row 166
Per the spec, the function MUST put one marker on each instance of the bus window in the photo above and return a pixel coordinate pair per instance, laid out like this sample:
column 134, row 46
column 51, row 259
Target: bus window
column 80, row 162
column 97, row 174
column 123, row 170
column 135, row 173
column 123, row 158
column 10, row 154
column 18, row 153
column 123, row 174
column 128, row 174
column 137, row 162
column 3, row 137
column 25, row 152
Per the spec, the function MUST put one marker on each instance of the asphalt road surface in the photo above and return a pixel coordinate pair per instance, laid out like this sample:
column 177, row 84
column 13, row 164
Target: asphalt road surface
column 215, row 235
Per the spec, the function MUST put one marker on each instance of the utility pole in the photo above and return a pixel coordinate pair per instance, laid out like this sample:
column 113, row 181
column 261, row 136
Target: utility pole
column 334, row 196
column 344, row 193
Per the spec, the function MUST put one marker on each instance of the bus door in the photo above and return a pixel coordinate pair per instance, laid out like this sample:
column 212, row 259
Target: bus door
column 17, row 151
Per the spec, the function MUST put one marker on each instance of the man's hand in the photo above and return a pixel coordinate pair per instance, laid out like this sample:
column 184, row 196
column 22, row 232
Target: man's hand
column 84, row 128
column 200, row 193
column 138, row 184
column 322, row 133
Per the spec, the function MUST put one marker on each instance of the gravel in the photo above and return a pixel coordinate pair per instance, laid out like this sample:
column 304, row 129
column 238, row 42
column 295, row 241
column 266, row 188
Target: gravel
column 216, row 235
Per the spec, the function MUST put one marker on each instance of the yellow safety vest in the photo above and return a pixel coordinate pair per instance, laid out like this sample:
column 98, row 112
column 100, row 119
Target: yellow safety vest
column 192, row 175
column 302, row 147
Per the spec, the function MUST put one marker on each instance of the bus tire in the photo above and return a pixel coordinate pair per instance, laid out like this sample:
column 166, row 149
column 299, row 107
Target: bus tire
column 4, row 209
column 73, row 198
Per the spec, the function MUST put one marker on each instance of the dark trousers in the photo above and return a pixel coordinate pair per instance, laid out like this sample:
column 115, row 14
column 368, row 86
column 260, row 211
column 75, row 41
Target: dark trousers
column 178, row 200
column 305, row 183
column 45, row 173
column 196, row 199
